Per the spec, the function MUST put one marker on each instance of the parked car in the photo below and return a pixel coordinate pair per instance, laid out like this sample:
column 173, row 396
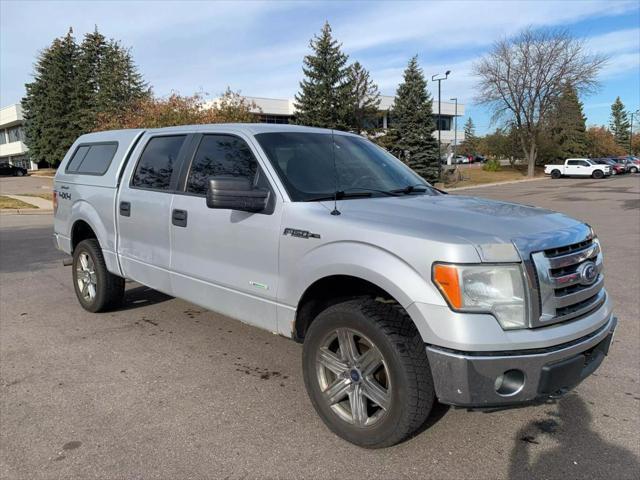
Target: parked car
column 479, row 159
column 459, row 159
column 399, row 293
column 631, row 164
column 578, row 167
column 616, row 168
column 6, row 169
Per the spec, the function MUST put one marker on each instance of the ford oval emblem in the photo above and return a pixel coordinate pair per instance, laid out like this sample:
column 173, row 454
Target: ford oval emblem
column 588, row 273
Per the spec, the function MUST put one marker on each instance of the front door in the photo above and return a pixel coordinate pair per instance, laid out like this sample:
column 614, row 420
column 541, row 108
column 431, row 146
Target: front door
column 143, row 210
column 225, row 260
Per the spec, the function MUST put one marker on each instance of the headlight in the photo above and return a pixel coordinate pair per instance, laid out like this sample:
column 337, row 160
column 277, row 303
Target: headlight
column 495, row 289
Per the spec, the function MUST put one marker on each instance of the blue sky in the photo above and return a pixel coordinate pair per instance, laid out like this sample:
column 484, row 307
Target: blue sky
column 257, row 47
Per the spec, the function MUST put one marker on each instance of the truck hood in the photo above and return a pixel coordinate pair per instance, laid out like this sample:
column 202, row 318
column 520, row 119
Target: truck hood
column 454, row 218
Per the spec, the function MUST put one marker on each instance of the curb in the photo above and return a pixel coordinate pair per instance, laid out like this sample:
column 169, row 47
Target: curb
column 25, row 211
column 509, row 182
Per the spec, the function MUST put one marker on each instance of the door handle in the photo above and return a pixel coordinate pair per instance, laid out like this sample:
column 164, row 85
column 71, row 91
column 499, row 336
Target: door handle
column 179, row 218
column 125, row 209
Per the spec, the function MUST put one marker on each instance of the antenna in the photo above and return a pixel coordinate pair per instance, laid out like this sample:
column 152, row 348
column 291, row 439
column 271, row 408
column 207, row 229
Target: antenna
column 335, row 171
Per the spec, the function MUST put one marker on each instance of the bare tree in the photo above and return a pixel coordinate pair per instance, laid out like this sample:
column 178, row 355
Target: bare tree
column 521, row 78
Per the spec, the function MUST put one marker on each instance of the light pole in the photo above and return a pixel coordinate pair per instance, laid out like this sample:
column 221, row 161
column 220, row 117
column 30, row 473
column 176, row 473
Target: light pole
column 636, row 113
column 455, row 126
column 439, row 78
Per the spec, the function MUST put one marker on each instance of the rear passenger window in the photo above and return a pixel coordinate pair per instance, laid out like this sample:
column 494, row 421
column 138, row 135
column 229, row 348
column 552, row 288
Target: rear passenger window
column 220, row 155
column 157, row 162
column 93, row 159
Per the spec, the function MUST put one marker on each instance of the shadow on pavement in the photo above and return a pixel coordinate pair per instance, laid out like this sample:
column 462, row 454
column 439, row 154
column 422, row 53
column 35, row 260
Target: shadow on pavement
column 579, row 451
column 141, row 296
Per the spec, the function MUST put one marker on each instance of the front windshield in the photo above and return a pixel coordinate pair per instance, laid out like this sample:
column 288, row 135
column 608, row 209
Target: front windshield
column 305, row 163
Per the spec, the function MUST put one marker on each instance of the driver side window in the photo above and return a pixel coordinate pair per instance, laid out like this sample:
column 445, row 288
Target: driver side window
column 220, row 155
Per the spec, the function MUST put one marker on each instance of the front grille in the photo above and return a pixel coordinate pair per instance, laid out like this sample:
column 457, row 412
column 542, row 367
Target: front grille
column 566, row 290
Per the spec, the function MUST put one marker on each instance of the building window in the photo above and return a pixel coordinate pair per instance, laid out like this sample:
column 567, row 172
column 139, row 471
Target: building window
column 444, row 124
column 15, row 134
column 280, row 119
column 3, row 137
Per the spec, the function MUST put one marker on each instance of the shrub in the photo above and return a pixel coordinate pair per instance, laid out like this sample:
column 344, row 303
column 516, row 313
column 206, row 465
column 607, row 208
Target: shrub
column 492, row 165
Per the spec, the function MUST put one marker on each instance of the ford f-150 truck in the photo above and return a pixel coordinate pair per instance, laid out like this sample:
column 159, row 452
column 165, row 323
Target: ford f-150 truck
column 400, row 294
column 578, row 167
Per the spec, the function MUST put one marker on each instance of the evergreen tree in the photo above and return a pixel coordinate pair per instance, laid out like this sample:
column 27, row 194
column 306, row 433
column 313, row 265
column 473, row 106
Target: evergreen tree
column 323, row 100
column 119, row 82
column 414, row 125
column 51, row 124
column 90, row 65
column 365, row 98
column 470, row 144
column 74, row 84
column 569, row 125
column 620, row 125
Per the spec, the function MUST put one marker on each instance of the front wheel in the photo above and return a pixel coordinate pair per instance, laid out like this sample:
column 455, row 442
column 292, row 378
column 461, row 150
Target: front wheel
column 633, row 170
column 366, row 371
column 19, row 173
column 598, row 174
column 97, row 289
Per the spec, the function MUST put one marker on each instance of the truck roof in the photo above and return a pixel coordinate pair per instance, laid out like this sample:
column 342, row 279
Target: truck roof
column 127, row 140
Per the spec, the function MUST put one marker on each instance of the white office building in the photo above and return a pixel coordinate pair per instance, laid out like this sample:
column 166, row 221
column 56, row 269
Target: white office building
column 12, row 148
column 281, row 110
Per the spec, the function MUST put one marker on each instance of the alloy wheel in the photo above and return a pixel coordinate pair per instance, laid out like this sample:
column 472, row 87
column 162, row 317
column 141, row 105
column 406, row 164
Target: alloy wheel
column 353, row 377
column 86, row 277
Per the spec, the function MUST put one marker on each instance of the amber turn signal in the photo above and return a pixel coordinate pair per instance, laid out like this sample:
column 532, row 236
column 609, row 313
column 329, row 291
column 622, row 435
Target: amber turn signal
column 446, row 278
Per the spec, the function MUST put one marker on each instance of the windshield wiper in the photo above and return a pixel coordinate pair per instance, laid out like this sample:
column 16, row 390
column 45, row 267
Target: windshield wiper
column 418, row 187
column 348, row 193
column 339, row 196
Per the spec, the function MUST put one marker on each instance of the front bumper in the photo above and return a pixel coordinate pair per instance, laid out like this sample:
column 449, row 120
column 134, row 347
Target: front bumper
column 480, row 380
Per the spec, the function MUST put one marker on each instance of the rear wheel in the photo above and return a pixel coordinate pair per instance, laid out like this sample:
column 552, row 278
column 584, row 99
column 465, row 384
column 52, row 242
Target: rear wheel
column 556, row 174
column 366, row 371
column 19, row 173
column 597, row 174
column 97, row 289
column 633, row 170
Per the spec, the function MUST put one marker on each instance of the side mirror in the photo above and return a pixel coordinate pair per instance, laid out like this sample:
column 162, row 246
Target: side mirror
column 236, row 193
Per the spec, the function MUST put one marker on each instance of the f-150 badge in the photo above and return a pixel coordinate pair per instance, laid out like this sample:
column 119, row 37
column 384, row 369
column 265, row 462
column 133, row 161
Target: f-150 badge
column 300, row 233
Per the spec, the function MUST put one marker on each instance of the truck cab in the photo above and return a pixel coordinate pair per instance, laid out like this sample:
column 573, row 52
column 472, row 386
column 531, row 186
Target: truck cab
column 400, row 294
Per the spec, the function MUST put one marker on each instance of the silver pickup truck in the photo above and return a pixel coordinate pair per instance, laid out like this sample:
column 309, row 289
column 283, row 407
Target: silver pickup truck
column 399, row 293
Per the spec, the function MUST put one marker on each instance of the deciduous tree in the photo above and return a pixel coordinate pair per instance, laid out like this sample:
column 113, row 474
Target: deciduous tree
column 150, row 112
column 521, row 78
column 602, row 143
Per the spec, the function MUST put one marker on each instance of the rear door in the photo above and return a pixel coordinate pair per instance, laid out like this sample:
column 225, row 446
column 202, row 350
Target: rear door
column 225, row 260
column 144, row 210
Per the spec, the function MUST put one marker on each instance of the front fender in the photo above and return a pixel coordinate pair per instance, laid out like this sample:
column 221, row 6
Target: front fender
column 361, row 260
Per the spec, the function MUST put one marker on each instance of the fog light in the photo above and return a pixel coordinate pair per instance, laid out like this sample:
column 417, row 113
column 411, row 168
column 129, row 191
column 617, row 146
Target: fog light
column 510, row 382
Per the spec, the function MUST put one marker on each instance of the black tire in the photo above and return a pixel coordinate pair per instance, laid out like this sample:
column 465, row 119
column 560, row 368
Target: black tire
column 109, row 288
column 598, row 174
column 633, row 170
column 19, row 173
column 410, row 385
column 555, row 174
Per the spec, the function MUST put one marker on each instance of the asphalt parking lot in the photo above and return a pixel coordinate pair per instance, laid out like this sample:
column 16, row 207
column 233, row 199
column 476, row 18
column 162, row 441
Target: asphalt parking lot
column 162, row 389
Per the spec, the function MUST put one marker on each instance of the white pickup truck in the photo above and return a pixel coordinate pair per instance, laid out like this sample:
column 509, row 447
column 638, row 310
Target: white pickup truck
column 578, row 167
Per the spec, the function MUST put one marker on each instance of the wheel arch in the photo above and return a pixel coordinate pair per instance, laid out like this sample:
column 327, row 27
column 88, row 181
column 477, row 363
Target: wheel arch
column 86, row 222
